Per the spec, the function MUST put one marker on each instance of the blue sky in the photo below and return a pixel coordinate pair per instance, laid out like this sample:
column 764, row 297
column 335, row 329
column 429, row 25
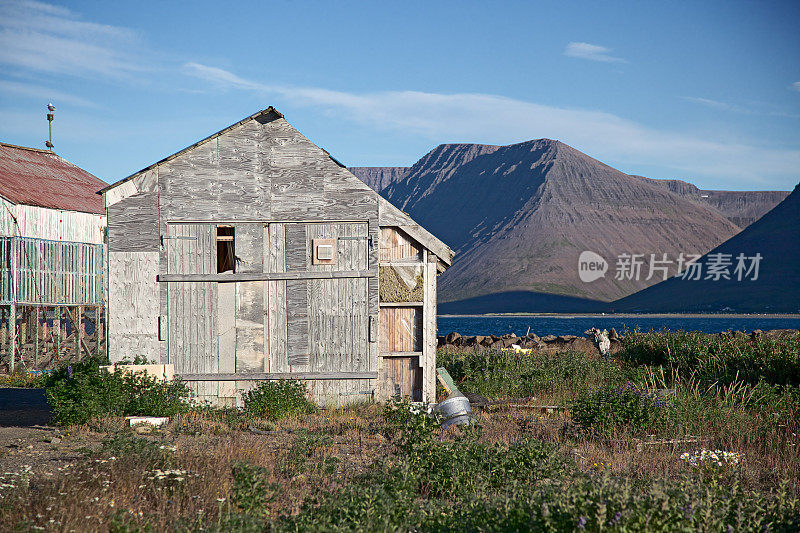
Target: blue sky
column 708, row 92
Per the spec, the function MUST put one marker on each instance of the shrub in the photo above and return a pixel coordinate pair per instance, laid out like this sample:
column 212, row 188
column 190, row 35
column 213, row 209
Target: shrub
column 251, row 490
column 277, row 399
column 610, row 410
column 497, row 374
column 81, row 391
column 24, row 380
column 721, row 359
column 471, row 486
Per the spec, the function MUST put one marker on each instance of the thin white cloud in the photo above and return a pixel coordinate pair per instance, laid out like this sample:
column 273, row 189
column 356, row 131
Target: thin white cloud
column 44, row 93
column 493, row 119
column 45, row 38
column 708, row 102
column 592, row 52
column 796, row 86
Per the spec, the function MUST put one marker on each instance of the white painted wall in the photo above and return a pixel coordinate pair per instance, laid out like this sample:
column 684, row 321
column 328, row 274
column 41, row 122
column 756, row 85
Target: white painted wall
column 52, row 224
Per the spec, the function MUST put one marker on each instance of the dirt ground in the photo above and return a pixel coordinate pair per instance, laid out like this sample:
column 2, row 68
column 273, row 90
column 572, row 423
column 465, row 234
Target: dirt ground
column 27, row 443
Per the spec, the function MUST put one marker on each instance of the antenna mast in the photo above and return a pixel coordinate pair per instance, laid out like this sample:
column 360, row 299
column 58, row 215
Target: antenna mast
column 49, row 142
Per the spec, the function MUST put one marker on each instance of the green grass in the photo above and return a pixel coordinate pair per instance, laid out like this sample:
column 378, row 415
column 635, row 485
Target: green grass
column 394, row 470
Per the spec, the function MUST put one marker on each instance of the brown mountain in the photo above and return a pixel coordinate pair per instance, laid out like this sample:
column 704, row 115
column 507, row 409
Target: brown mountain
column 519, row 216
column 775, row 237
column 378, row 178
column 740, row 207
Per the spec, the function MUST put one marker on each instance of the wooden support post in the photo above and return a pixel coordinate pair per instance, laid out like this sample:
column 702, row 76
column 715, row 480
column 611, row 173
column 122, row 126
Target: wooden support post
column 12, row 336
column 3, row 332
column 98, row 323
column 428, row 359
column 38, row 334
column 23, row 333
column 57, row 327
column 78, row 325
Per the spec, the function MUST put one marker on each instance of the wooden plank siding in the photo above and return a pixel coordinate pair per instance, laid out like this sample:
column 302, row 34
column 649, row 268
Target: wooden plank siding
column 395, row 245
column 278, row 314
column 401, row 329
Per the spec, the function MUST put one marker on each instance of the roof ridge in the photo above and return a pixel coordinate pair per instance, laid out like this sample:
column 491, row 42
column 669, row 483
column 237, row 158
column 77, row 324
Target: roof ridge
column 224, row 130
column 27, row 148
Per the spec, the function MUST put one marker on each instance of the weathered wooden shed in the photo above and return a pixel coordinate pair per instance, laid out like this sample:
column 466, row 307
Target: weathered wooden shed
column 254, row 255
column 52, row 228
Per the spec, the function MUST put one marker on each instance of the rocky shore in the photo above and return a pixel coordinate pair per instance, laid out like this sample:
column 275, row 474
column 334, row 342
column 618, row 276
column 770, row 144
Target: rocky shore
column 559, row 343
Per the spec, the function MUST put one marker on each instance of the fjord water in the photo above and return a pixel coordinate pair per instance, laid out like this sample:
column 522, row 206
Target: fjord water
column 577, row 324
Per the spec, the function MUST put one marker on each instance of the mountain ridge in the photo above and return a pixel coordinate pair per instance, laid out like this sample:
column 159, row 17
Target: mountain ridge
column 775, row 237
column 518, row 216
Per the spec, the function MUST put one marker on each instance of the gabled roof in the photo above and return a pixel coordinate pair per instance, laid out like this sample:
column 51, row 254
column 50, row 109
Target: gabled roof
column 32, row 176
column 388, row 215
column 264, row 115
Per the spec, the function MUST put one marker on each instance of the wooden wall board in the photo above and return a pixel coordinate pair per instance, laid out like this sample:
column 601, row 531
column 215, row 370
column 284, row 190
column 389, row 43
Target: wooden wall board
column 249, row 246
column 403, row 377
column 396, row 245
column 52, row 224
column 134, row 224
column 275, row 321
column 401, row 329
column 133, row 305
column 193, row 332
column 297, row 257
column 297, row 336
column 226, row 326
column 323, row 392
column 429, row 342
column 250, row 326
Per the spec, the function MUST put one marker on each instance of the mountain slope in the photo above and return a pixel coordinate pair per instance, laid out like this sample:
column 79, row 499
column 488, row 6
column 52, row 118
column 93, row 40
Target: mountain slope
column 740, row 207
column 519, row 216
column 776, row 236
column 378, row 178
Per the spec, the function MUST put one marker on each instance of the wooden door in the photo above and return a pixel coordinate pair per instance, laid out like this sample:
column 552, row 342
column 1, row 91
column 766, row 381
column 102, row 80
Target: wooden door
column 191, row 329
column 318, row 325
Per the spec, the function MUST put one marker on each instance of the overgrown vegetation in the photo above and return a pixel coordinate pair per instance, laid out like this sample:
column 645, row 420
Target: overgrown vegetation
column 277, row 399
column 81, row 391
column 610, row 410
column 723, row 359
column 665, row 436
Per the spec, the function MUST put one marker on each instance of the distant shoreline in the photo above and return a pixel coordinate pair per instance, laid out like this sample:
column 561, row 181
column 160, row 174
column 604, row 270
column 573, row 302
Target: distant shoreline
column 628, row 315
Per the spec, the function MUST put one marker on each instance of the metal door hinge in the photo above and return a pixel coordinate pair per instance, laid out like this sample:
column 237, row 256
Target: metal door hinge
column 370, row 238
column 373, row 329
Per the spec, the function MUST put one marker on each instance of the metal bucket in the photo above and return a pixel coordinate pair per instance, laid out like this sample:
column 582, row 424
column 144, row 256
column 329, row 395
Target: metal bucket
column 455, row 411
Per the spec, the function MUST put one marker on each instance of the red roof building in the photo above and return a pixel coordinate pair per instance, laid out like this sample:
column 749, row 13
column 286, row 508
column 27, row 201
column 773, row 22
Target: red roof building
column 31, row 176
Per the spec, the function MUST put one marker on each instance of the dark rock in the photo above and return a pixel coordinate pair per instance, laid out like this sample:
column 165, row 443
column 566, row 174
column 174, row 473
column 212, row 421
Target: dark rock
column 756, row 333
column 488, row 341
column 451, row 337
column 477, row 339
column 495, row 338
column 533, row 336
column 549, row 338
column 525, row 342
column 612, row 334
column 509, row 341
column 497, row 345
column 476, row 400
column 777, row 333
column 566, row 338
column 584, row 345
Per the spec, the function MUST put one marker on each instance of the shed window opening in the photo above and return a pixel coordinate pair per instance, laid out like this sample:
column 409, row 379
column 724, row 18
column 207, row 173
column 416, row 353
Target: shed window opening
column 226, row 258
